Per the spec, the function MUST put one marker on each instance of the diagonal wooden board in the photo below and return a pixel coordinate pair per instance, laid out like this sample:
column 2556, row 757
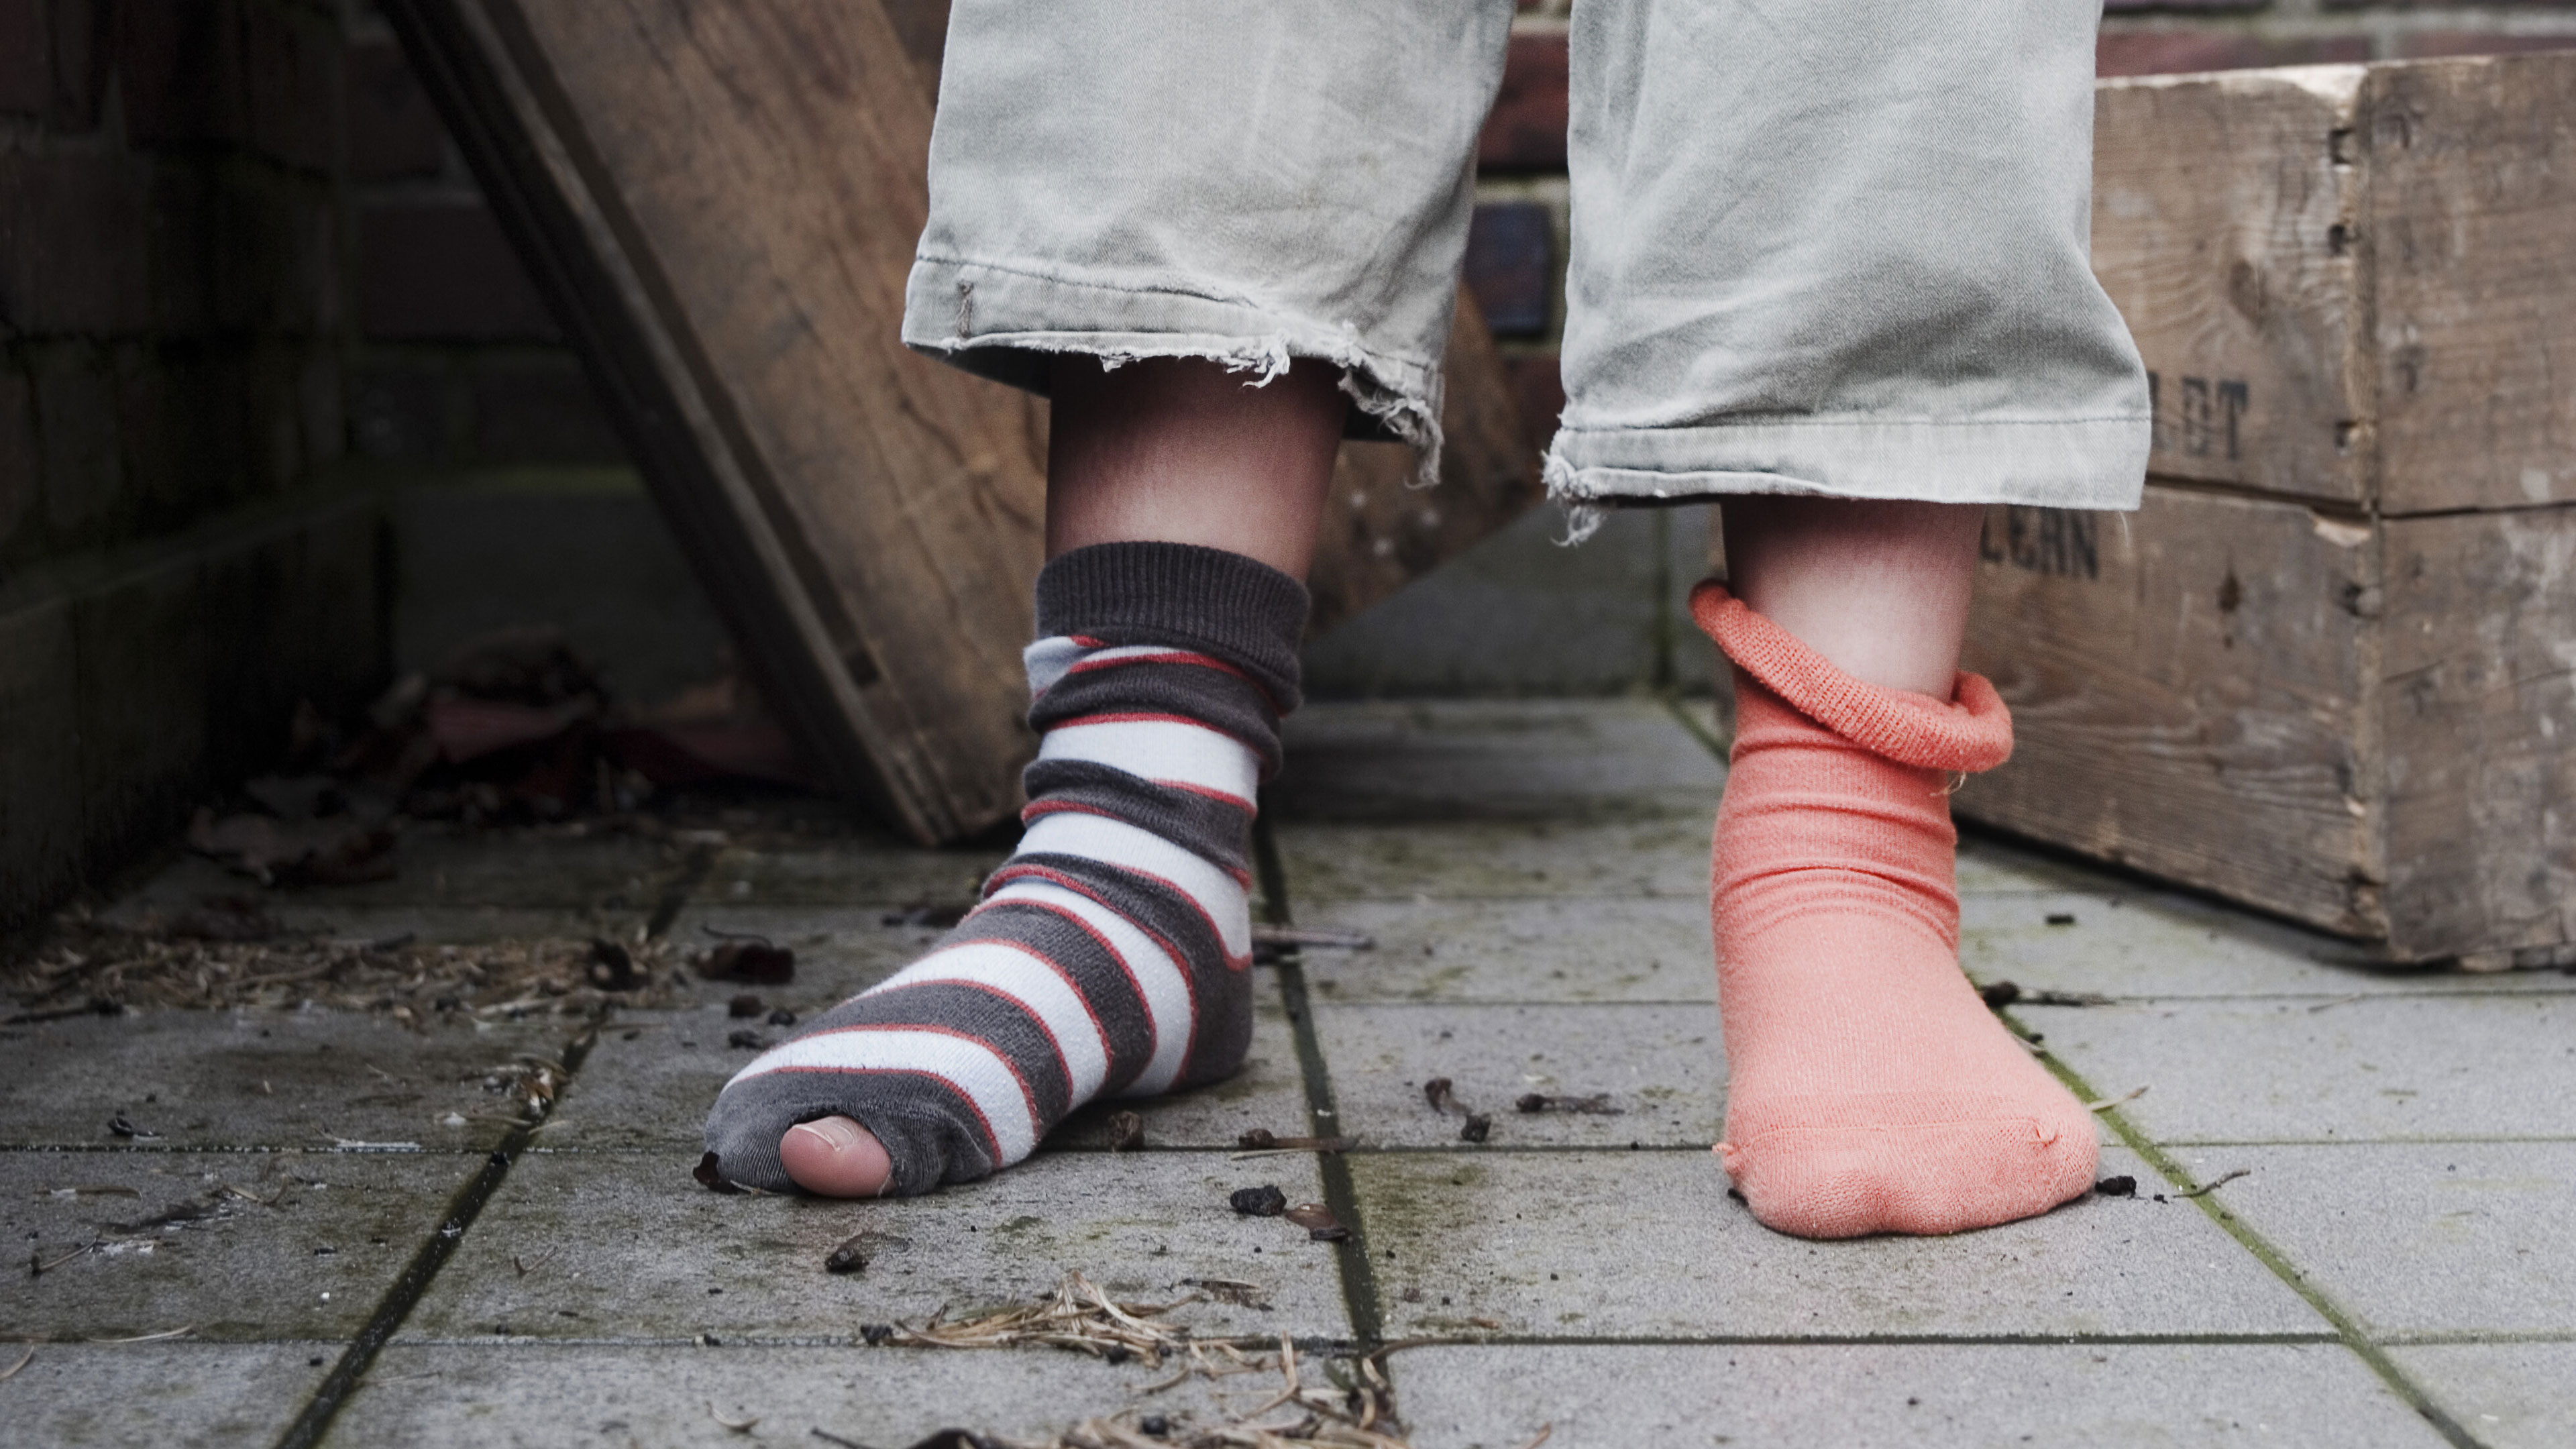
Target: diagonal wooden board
column 720, row 201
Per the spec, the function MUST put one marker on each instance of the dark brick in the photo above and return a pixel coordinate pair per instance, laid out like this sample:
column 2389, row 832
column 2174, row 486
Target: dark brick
column 275, row 254
column 2168, row 52
column 1510, row 267
column 72, row 243
column 1539, row 390
column 141, row 701
column 1526, row 130
column 442, row 271
column 291, row 78
column 40, row 783
column 78, row 443
column 540, row 411
column 21, row 484
column 393, row 130
column 322, row 404
column 400, row 411
column 79, row 50
column 26, row 59
column 181, row 65
column 53, row 60
column 2431, row 44
column 180, row 406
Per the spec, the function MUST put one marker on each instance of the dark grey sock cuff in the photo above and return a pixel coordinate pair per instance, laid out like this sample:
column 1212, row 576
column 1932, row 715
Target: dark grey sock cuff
column 1237, row 609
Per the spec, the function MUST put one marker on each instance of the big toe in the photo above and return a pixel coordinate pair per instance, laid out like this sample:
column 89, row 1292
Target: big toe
column 835, row 1157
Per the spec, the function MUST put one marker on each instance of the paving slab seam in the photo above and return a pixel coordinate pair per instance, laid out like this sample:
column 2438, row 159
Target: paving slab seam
column 2476, row 1337
column 2347, row 1328
column 1880, row 1340
column 2368, row 1141
column 676, row 891
column 1341, row 1196
column 412, row 1284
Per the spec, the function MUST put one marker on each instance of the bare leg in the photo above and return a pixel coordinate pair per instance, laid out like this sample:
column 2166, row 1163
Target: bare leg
column 1163, row 451
column 1878, row 588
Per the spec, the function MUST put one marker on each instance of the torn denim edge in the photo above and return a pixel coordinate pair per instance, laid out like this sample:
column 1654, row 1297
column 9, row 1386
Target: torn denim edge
column 2084, row 463
column 1414, row 421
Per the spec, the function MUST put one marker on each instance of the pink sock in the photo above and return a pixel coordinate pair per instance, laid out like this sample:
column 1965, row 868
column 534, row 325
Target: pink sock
column 1869, row 1090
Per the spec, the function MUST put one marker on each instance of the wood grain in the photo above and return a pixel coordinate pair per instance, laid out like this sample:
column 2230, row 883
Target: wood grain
column 2189, row 688
column 1380, row 532
column 721, row 204
column 2224, row 213
column 2478, row 715
column 2472, row 241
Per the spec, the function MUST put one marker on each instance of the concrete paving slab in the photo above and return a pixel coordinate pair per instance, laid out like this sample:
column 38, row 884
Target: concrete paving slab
column 1424, row 760
column 2416, row 1238
column 1495, row 860
column 840, row 951
column 160, row 1393
column 545, row 1395
column 2379, row 1067
column 448, row 865
column 1859, row 1396
column 847, row 873
column 1648, row 1245
column 624, row 1246
column 2510, row 1395
column 1662, row 1067
column 2163, row 946
column 174, row 1242
column 648, row 1083
column 1992, row 864
column 264, row 1079
column 1539, row 950
column 299, row 914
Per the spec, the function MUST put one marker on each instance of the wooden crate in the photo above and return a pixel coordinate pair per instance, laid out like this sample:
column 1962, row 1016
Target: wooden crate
column 720, row 202
column 2330, row 668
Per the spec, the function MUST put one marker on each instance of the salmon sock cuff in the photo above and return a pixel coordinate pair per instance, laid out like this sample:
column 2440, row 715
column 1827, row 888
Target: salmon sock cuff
column 1971, row 731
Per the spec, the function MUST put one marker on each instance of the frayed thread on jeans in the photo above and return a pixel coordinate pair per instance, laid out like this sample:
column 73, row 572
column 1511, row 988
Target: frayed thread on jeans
column 1583, row 514
column 1414, row 421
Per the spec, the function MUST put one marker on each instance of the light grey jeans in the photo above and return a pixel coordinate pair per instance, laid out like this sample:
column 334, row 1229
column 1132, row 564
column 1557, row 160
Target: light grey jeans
column 1832, row 247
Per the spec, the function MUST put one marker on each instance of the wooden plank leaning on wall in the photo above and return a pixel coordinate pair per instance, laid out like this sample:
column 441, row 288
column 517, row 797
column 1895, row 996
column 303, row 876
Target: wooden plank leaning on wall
column 721, row 203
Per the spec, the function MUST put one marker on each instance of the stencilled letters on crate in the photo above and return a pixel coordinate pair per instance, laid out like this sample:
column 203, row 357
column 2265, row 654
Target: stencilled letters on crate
column 2208, row 410
column 2060, row 542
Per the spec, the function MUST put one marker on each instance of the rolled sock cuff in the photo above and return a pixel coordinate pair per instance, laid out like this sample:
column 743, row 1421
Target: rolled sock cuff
column 1236, row 609
column 1971, row 731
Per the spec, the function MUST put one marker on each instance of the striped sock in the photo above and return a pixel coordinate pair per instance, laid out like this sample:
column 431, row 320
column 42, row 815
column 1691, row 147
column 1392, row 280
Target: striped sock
column 1111, row 953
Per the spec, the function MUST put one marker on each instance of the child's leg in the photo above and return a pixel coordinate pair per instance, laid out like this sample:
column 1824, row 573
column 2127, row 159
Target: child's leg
column 1109, row 953
column 1869, row 1090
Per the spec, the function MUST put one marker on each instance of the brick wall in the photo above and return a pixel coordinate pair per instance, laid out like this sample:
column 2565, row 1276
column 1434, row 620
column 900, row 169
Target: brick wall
column 181, row 556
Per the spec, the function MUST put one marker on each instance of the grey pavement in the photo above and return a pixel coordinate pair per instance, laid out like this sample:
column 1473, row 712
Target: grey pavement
column 1514, row 896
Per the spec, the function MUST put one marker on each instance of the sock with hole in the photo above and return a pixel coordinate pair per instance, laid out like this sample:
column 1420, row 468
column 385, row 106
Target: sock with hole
column 1110, row 954
column 1869, row 1089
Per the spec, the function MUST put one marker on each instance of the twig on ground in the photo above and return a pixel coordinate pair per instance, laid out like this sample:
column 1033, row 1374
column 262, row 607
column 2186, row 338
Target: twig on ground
column 2215, row 1183
column 2108, row 1103
column 24, row 1359
column 181, row 1331
column 1540, row 1437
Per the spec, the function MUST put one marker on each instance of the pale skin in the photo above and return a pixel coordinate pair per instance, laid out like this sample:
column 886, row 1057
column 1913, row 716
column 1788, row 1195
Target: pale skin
column 1182, row 451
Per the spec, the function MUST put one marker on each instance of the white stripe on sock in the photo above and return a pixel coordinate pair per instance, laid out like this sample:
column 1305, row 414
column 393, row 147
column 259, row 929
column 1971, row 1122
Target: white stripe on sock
column 1168, row 752
column 1115, row 842
column 1047, row 660
column 974, row 1068
column 1033, row 982
column 1166, row 989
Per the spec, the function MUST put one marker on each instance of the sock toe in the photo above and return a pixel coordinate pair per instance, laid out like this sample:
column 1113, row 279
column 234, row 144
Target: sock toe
column 1924, row 1177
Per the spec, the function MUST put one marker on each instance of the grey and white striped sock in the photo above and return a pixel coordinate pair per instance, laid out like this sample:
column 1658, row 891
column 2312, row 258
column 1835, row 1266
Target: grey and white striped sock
column 1111, row 953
